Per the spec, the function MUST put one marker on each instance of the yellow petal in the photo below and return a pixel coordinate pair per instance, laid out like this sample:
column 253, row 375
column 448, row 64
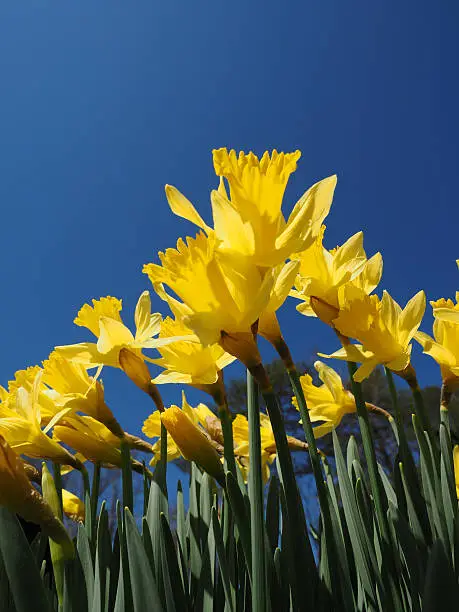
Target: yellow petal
column 146, row 323
column 411, row 316
column 182, row 207
column 307, row 216
column 113, row 334
column 89, row 316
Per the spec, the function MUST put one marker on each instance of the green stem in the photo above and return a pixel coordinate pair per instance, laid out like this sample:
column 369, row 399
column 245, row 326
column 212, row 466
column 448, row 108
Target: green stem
column 228, row 442
column 95, row 492
column 300, row 544
column 445, row 398
column 369, row 451
column 126, row 475
column 420, row 410
column 58, row 485
column 316, row 464
column 164, row 448
column 256, row 498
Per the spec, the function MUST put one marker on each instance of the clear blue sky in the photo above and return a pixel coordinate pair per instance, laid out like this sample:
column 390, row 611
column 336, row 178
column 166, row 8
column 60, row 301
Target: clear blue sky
column 103, row 102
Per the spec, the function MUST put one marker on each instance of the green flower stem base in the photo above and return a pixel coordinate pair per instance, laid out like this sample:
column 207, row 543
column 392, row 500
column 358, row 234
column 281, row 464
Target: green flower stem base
column 256, row 499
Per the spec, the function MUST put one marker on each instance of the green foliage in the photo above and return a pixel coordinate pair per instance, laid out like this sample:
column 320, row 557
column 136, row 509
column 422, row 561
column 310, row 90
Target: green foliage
column 387, row 539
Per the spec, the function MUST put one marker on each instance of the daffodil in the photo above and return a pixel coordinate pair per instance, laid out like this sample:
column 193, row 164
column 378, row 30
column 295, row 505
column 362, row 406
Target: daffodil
column 222, row 295
column 323, row 272
column 188, row 362
column 193, row 444
column 94, row 441
column 22, row 430
column 250, row 221
column 268, row 444
column 90, row 438
column 384, row 330
column 19, row 496
column 200, row 416
column 103, row 319
column 445, row 348
column 74, row 388
column 152, row 429
column 73, row 506
column 328, row 403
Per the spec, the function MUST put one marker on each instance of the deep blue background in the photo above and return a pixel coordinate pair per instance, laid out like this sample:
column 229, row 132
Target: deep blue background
column 103, row 102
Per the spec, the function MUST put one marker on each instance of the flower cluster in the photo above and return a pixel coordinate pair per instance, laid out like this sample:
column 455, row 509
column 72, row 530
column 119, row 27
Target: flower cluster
column 223, row 287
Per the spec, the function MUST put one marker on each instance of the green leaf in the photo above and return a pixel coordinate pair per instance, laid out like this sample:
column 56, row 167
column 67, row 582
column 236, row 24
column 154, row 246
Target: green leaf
column 440, row 581
column 144, row 591
column 194, row 529
column 257, row 528
column 273, row 513
column 84, row 553
column 157, row 504
column 238, row 507
column 222, row 561
column 176, row 593
column 365, row 561
column 20, row 566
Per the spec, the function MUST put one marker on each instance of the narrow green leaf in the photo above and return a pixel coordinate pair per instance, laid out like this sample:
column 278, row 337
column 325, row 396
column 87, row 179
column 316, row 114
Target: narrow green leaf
column 240, row 516
column 256, row 498
column 194, row 529
column 273, row 513
column 223, row 563
column 26, row 585
column 171, row 569
column 157, row 504
column 363, row 551
column 440, row 582
column 59, row 551
column 144, row 591
column 84, row 553
column 126, row 475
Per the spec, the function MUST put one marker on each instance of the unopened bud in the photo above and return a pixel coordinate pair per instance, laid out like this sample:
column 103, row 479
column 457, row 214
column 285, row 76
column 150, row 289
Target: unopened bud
column 192, row 442
column 324, row 311
column 137, row 370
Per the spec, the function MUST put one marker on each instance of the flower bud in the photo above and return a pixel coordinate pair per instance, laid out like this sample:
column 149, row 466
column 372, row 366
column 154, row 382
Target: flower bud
column 192, row 442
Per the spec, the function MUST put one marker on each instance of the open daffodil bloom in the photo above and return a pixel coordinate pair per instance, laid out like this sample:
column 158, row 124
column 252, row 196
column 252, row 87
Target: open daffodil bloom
column 104, row 321
column 328, row 403
column 222, row 295
column 322, row 273
column 384, row 330
column 445, row 348
column 250, row 221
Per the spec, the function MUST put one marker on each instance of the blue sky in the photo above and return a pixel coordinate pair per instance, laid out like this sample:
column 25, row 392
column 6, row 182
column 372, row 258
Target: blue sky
column 104, row 102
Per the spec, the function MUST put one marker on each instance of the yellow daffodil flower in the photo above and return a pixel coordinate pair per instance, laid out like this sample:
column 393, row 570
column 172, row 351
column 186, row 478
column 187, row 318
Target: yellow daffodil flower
column 192, row 442
column 73, row 506
column 222, row 296
column 241, row 445
column 19, row 496
column 103, row 319
column 250, row 221
column 445, row 348
column 90, row 438
column 74, row 388
column 26, row 379
column 152, row 429
column 201, row 416
column 189, row 363
column 384, row 330
column 94, row 441
column 322, row 273
column 21, row 428
column 268, row 444
column 188, row 438
column 327, row 403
